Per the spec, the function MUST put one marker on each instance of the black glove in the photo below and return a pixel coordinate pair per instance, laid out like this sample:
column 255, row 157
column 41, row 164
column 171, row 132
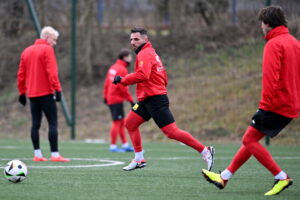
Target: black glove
column 57, row 96
column 117, row 80
column 22, row 99
column 105, row 101
column 132, row 104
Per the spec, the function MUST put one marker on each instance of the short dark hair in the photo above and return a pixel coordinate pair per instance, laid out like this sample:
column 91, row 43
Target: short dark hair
column 272, row 15
column 140, row 30
column 123, row 53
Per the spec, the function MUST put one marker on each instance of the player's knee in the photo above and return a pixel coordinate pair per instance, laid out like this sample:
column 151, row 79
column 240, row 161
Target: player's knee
column 130, row 125
column 170, row 131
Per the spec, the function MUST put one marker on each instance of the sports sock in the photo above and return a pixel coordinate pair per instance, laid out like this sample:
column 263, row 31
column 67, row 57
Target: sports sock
column 139, row 156
column 173, row 132
column 251, row 142
column 38, row 153
column 132, row 123
column 241, row 156
column 122, row 131
column 114, row 132
column 205, row 151
column 226, row 174
column 125, row 145
column 113, row 146
column 281, row 176
column 55, row 154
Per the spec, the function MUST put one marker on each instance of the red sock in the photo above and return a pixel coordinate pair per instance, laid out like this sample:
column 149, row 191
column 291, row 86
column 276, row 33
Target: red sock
column 132, row 123
column 251, row 142
column 114, row 130
column 122, row 131
column 239, row 159
column 175, row 133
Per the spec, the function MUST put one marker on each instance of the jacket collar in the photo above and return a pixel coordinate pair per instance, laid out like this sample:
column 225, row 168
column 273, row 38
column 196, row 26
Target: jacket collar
column 122, row 62
column 143, row 46
column 41, row 41
column 279, row 30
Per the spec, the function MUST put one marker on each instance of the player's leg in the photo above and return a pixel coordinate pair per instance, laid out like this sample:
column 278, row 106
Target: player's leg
column 135, row 118
column 158, row 107
column 117, row 114
column 251, row 142
column 36, row 118
column 50, row 110
column 220, row 180
column 125, row 145
column 114, row 131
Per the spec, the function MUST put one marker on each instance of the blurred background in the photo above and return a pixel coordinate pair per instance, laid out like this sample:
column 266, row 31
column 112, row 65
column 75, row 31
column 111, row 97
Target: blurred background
column 212, row 51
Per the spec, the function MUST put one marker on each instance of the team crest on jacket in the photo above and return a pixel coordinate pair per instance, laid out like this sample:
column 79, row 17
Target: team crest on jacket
column 141, row 63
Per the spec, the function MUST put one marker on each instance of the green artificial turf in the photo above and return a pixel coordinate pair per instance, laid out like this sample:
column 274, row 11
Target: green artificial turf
column 173, row 172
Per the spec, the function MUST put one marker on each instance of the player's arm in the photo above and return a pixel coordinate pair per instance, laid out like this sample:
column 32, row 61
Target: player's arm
column 105, row 88
column 271, row 68
column 21, row 77
column 141, row 74
column 52, row 70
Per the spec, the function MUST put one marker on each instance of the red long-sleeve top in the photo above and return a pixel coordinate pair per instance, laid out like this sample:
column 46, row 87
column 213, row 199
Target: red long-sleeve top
column 149, row 74
column 116, row 93
column 281, row 73
column 38, row 73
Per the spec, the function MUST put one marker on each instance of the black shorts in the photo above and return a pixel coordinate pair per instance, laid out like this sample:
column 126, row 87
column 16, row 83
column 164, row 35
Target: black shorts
column 156, row 107
column 117, row 111
column 269, row 123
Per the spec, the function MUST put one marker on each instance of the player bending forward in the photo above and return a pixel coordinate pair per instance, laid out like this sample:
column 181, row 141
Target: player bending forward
column 280, row 100
column 151, row 80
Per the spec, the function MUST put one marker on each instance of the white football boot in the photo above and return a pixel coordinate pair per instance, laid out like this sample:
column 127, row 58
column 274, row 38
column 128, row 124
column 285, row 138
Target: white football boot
column 209, row 157
column 135, row 165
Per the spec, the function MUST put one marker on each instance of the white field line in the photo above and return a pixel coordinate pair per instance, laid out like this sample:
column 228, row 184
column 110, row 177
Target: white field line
column 103, row 163
column 106, row 162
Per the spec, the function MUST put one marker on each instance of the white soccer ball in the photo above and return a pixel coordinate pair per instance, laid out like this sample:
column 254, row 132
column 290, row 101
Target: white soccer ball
column 15, row 171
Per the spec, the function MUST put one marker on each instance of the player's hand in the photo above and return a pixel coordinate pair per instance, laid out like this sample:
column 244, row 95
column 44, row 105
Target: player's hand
column 22, row 99
column 117, row 80
column 57, row 96
column 105, row 101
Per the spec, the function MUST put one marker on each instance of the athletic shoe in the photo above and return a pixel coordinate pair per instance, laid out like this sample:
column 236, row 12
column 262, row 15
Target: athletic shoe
column 279, row 186
column 209, row 157
column 128, row 149
column 39, row 159
column 59, row 159
column 214, row 178
column 116, row 150
column 135, row 165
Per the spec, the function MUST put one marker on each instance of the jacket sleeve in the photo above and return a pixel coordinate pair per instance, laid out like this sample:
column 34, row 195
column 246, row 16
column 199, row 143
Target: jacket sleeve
column 21, row 77
column 124, row 89
column 51, row 68
column 142, row 72
column 106, row 86
column 271, row 69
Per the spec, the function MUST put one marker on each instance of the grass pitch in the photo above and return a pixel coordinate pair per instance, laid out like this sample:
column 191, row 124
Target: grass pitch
column 173, row 172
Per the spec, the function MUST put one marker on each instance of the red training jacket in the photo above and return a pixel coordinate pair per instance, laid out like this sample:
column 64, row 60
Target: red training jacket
column 281, row 73
column 149, row 74
column 116, row 93
column 38, row 73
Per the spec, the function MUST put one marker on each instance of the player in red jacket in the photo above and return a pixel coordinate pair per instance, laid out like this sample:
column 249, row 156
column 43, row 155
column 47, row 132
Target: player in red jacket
column 151, row 80
column 280, row 100
column 38, row 79
column 114, row 96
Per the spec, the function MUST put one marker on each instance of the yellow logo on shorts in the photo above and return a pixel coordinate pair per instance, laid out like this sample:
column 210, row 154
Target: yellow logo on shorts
column 135, row 107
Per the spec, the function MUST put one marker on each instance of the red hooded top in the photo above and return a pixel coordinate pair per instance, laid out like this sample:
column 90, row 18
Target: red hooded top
column 149, row 74
column 38, row 73
column 116, row 93
column 281, row 73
